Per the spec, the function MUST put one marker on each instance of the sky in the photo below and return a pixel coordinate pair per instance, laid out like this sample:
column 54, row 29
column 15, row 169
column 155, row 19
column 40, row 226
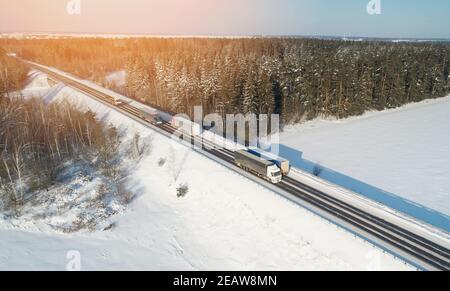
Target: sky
column 398, row 18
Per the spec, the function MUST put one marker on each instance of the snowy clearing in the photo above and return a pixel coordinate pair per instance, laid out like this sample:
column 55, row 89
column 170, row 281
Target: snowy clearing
column 227, row 223
column 402, row 151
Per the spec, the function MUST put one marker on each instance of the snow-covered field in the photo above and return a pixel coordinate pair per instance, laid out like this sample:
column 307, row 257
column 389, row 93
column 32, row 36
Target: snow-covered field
column 224, row 222
column 403, row 151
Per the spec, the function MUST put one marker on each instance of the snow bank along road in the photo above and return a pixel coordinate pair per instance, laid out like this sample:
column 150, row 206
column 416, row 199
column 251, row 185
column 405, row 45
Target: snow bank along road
column 413, row 243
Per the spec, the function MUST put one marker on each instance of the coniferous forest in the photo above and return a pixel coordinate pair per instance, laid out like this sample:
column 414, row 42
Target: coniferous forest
column 297, row 78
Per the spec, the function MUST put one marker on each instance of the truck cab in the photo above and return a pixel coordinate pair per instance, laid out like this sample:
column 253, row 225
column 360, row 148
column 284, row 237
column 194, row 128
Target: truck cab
column 274, row 174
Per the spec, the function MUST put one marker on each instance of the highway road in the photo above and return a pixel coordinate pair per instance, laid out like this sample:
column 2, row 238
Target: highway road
column 417, row 250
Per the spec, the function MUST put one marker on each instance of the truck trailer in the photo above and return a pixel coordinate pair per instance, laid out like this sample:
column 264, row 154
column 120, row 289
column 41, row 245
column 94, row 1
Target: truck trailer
column 281, row 163
column 258, row 166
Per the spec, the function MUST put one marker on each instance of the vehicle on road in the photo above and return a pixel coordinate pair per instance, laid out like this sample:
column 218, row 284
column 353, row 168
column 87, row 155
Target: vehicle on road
column 281, row 163
column 258, row 166
column 118, row 102
column 152, row 117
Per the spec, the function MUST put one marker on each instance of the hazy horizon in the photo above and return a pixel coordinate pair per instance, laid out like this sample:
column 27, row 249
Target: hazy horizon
column 137, row 35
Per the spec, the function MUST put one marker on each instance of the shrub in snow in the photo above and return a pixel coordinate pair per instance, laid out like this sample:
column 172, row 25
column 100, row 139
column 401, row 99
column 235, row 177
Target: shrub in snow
column 136, row 146
column 162, row 162
column 108, row 158
column 123, row 194
column 139, row 147
column 317, row 170
column 182, row 190
column 109, row 227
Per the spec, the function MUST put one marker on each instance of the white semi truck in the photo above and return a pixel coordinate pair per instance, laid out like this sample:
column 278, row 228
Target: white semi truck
column 283, row 164
column 263, row 168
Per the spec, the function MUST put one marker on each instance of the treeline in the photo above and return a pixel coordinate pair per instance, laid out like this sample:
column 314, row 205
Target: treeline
column 13, row 74
column 297, row 78
column 37, row 139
